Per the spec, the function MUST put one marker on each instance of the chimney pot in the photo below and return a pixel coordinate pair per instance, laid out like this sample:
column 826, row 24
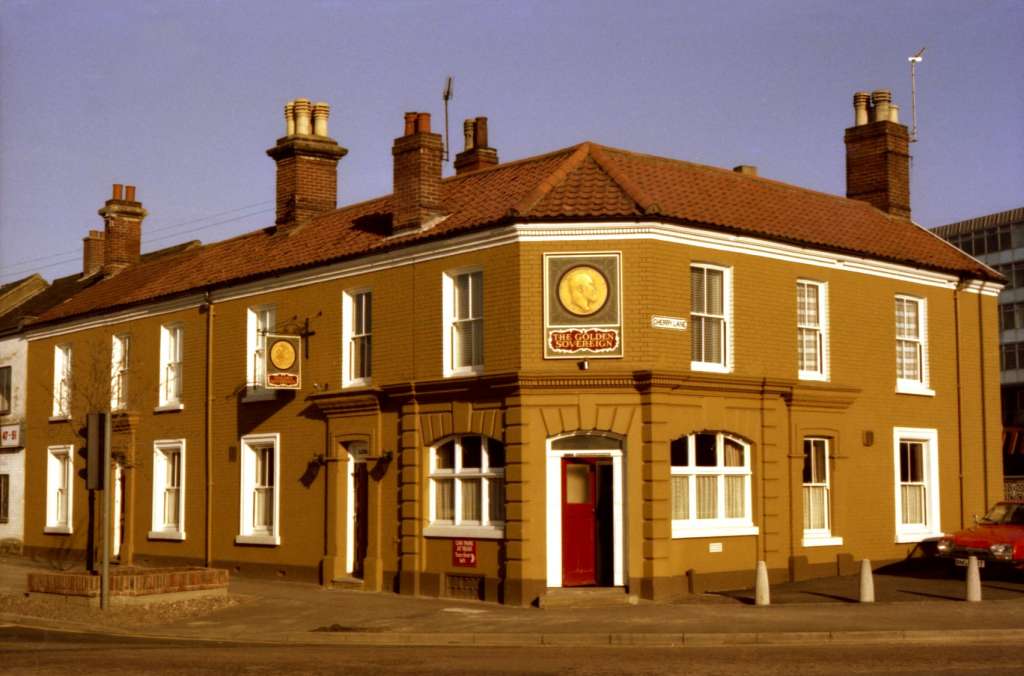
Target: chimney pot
column 423, row 123
column 860, row 108
column 410, row 123
column 480, row 140
column 468, row 130
column 881, row 98
column 321, row 111
column 129, row 193
column 302, row 115
column 117, row 191
column 894, row 113
column 289, row 118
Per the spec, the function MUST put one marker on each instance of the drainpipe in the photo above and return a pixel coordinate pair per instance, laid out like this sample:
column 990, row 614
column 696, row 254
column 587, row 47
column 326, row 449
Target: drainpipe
column 959, row 400
column 984, row 407
column 209, row 430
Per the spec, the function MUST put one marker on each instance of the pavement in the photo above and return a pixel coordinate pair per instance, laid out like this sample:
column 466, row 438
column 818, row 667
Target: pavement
column 916, row 601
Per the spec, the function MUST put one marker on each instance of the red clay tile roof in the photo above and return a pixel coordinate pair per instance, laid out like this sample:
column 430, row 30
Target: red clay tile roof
column 583, row 182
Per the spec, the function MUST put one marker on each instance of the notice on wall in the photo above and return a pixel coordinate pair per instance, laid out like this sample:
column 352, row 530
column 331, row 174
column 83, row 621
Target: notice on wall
column 582, row 305
column 464, row 553
column 10, row 436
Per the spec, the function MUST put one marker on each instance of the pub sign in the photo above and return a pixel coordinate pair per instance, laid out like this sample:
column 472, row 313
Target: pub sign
column 582, row 305
column 283, row 366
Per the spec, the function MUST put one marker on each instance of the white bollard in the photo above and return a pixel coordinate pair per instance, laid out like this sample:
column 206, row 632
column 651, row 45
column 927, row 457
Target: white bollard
column 867, row 582
column 762, row 595
column 973, row 580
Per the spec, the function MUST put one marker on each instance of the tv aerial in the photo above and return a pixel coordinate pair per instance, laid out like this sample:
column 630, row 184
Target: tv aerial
column 446, row 96
column 914, row 60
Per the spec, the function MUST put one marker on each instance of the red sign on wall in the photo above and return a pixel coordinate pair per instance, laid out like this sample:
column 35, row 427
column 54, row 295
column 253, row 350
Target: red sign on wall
column 464, row 553
column 576, row 340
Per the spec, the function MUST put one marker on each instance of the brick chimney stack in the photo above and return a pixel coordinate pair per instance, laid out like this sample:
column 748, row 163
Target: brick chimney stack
column 878, row 154
column 92, row 252
column 122, row 236
column 307, row 164
column 477, row 154
column 417, row 175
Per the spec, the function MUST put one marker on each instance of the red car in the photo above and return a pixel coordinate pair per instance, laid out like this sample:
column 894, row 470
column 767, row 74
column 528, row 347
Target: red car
column 998, row 538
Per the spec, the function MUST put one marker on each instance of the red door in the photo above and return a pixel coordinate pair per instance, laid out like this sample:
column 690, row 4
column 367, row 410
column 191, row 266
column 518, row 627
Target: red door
column 579, row 525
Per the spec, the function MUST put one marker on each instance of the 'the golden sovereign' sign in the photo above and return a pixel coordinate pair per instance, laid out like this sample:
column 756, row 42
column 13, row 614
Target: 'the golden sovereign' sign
column 582, row 305
column 283, row 367
column 583, row 290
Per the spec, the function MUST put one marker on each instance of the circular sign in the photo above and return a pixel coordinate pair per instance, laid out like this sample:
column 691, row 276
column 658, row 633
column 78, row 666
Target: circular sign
column 282, row 354
column 583, row 290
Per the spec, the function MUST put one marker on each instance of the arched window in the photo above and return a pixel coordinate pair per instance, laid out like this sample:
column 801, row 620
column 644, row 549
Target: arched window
column 711, row 486
column 467, row 487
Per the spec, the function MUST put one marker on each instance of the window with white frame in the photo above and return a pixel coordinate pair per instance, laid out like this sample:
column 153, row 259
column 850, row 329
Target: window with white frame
column 120, row 350
column 464, row 323
column 467, row 488
column 917, row 483
column 911, row 345
column 709, row 317
column 59, row 487
column 711, row 492
column 260, row 495
column 811, row 328
column 170, row 365
column 5, row 390
column 357, row 335
column 259, row 322
column 168, row 490
column 62, row 381
column 817, row 493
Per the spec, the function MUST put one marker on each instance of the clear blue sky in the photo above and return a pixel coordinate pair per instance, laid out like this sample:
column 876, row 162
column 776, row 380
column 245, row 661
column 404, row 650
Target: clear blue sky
column 183, row 98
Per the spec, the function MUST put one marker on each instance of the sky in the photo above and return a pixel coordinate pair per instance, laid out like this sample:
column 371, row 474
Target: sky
column 182, row 99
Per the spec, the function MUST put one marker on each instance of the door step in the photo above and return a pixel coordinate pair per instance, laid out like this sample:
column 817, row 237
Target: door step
column 346, row 582
column 586, row 597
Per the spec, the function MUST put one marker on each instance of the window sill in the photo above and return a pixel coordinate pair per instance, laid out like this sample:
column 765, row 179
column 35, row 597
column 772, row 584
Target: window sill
column 682, row 532
column 820, row 541
column 464, row 372
column 269, row 540
column 707, row 367
column 912, row 537
column 59, row 418
column 476, row 532
column 167, row 535
column 58, row 530
column 258, row 394
column 169, row 407
column 358, row 382
column 811, row 375
column 914, row 388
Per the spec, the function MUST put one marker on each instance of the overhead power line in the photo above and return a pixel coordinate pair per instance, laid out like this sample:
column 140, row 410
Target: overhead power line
column 27, row 266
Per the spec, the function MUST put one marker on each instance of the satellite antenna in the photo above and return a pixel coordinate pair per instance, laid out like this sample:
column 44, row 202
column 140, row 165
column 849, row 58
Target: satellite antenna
column 914, row 60
column 447, row 96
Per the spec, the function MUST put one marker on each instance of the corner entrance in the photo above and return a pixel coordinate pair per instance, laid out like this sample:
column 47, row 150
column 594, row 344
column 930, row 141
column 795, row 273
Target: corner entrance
column 586, row 539
column 587, row 533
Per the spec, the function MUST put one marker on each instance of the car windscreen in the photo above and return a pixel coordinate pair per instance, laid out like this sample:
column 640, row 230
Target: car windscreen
column 1005, row 513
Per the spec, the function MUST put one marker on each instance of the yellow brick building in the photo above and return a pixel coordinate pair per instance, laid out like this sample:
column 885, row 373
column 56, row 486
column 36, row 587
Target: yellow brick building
column 587, row 368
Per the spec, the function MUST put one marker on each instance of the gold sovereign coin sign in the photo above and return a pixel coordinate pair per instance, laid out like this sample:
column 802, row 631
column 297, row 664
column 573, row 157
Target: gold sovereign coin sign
column 583, row 290
column 282, row 354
